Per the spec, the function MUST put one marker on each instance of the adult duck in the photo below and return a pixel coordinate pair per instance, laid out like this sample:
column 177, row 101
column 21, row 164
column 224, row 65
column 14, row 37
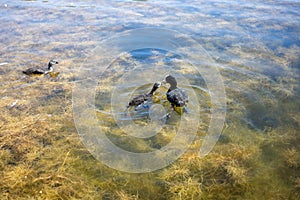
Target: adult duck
column 176, row 96
column 41, row 71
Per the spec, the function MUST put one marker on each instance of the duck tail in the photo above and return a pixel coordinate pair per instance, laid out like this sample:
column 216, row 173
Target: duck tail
column 185, row 110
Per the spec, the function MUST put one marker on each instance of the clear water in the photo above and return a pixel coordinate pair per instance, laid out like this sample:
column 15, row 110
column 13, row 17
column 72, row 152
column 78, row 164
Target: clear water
column 255, row 45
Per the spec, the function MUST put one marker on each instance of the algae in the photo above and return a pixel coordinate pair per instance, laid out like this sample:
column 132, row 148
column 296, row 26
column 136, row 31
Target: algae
column 257, row 156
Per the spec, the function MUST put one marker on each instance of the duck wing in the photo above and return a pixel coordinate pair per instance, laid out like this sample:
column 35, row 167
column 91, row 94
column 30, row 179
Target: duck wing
column 177, row 97
column 139, row 100
column 32, row 71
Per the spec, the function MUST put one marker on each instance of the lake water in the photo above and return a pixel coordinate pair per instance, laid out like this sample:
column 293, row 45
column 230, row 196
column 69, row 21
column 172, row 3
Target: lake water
column 68, row 137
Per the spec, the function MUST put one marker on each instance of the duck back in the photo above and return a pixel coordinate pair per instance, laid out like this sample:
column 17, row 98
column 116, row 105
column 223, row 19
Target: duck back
column 177, row 97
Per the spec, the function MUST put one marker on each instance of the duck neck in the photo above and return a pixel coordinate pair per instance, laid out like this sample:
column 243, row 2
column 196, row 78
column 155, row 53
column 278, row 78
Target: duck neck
column 173, row 86
column 152, row 91
column 49, row 66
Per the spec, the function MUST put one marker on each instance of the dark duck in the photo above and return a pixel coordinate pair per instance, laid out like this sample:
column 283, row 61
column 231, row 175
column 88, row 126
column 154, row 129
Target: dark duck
column 143, row 98
column 41, row 71
column 176, row 96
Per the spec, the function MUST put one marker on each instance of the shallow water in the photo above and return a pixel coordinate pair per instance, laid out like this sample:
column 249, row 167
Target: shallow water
column 255, row 46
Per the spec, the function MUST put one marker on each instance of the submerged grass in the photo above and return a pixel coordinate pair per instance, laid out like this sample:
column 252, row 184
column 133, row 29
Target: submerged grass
column 42, row 157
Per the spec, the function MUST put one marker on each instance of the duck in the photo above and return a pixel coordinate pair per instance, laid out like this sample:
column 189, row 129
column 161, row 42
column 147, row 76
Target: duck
column 143, row 98
column 41, row 71
column 176, row 96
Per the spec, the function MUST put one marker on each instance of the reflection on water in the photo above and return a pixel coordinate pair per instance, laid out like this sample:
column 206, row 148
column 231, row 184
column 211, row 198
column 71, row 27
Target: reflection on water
column 256, row 47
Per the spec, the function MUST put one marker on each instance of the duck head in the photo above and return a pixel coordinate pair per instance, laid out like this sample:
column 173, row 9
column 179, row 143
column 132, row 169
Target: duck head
column 155, row 87
column 171, row 80
column 50, row 65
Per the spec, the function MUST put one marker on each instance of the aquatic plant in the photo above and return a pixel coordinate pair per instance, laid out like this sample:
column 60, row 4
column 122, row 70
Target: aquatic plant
column 292, row 157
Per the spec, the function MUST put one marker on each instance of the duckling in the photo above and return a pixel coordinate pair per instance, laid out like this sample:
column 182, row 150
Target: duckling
column 176, row 96
column 40, row 71
column 141, row 99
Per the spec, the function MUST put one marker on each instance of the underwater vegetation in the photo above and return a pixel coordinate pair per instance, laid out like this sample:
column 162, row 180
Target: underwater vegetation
column 42, row 157
column 256, row 50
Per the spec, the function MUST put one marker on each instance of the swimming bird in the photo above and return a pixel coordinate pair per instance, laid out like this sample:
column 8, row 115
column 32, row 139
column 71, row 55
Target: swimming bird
column 176, row 96
column 41, row 71
column 141, row 99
